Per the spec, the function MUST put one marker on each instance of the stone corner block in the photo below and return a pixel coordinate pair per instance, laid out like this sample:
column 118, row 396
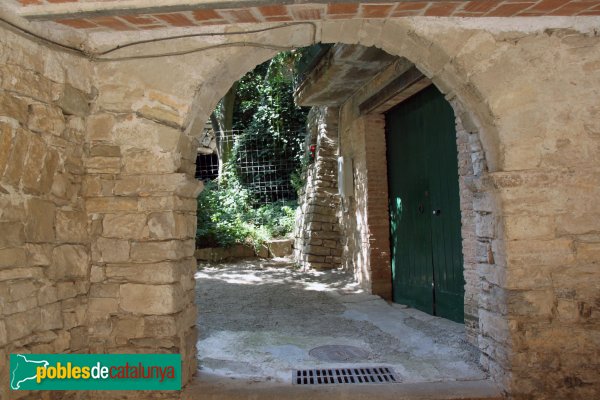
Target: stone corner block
column 151, row 299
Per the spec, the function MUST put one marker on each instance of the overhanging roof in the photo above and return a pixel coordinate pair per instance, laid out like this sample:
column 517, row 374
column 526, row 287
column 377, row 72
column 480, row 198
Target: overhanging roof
column 340, row 73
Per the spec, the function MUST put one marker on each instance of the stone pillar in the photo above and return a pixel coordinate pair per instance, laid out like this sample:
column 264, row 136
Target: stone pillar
column 478, row 230
column 317, row 243
column 140, row 196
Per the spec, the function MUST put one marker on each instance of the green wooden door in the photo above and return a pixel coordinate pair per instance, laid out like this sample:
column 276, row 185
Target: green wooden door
column 427, row 265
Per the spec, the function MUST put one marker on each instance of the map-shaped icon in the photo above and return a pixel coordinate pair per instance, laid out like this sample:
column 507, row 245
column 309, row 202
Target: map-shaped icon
column 24, row 370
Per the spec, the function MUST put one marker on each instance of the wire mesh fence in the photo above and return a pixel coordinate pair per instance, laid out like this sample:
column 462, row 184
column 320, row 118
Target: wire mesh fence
column 264, row 163
column 207, row 167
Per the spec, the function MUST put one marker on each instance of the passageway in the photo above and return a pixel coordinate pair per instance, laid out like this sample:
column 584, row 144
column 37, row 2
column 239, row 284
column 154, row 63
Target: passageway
column 259, row 320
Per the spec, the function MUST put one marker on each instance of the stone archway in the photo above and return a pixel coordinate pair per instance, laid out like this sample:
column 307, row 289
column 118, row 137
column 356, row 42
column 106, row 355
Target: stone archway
column 424, row 46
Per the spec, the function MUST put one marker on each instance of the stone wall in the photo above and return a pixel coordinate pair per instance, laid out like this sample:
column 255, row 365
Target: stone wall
column 477, row 222
column 317, row 231
column 530, row 92
column 141, row 199
column 44, row 242
column 140, row 196
column 538, row 222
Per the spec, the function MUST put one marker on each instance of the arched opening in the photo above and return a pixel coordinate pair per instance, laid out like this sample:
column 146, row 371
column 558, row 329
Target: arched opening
column 370, row 263
column 221, row 66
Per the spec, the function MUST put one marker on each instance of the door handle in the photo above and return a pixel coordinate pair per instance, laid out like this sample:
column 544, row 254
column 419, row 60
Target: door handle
column 437, row 212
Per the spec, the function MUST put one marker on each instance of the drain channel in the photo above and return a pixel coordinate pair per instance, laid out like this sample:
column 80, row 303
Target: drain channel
column 339, row 376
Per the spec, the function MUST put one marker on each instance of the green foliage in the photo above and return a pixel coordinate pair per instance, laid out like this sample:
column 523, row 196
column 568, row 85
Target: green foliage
column 298, row 177
column 270, row 84
column 227, row 216
column 276, row 218
column 272, row 124
column 248, row 96
column 222, row 211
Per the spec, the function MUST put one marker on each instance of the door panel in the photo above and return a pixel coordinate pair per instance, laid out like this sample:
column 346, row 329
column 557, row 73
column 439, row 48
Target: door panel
column 426, row 245
column 446, row 225
column 411, row 264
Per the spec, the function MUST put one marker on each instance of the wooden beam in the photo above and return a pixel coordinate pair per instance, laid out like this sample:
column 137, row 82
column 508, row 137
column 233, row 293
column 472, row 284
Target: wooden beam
column 398, row 90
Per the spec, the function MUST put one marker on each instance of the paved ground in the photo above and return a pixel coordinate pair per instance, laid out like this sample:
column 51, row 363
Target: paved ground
column 260, row 319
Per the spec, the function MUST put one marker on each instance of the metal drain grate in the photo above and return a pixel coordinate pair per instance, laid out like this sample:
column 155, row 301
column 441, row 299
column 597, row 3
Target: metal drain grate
column 339, row 376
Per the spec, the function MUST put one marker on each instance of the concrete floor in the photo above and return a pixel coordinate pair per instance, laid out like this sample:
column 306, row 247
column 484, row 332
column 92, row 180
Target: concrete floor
column 259, row 320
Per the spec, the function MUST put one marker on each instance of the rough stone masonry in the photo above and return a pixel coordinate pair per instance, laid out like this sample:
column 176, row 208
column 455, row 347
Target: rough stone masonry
column 317, row 231
column 98, row 196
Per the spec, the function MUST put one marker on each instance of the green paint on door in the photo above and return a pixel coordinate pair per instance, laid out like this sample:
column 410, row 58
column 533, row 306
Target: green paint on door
column 427, row 263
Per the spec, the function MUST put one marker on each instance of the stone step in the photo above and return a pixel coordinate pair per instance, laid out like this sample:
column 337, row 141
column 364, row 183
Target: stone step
column 208, row 387
column 280, row 247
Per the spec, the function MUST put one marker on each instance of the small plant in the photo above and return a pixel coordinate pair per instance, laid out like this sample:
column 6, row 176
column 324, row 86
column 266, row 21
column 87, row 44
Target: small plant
column 222, row 211
column 277, row 218
column 228, row 215
column 298, row 177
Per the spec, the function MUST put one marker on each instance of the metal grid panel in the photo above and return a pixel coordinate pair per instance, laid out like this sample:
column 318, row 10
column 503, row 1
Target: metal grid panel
column 207, row 167
column 343, row 376
column 266, row 177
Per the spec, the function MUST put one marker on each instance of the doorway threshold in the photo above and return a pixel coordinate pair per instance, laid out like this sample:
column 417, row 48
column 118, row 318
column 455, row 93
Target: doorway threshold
column 213, row 387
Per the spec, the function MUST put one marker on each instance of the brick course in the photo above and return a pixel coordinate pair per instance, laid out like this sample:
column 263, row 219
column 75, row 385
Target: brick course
column 529, row 97
column 191, row 16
